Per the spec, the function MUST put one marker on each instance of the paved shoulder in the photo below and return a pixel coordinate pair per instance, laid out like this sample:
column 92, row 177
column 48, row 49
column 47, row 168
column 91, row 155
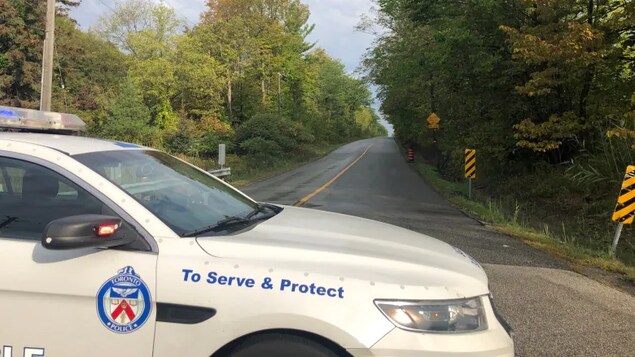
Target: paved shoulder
column 561, row 313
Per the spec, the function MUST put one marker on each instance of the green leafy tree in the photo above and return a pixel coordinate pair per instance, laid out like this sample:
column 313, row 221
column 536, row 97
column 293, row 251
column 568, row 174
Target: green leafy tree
column 200, row 76
column 258, row 42
column 86, row 69
column 129, row 118
column 189, row 88
column 542, row 88
column 267, row 136
column 20, row 52
column 21, row 38
column 130, row 18
column 148, row 33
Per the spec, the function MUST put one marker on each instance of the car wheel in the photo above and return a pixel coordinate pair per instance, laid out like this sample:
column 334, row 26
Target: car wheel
column 280, row 345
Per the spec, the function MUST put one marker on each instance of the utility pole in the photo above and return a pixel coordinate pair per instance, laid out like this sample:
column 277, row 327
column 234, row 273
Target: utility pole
column 47, row 57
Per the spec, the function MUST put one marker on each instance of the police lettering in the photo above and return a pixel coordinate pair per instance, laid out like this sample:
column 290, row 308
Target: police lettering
column 7, row 351
column 214, row 278
column 121, row 328
column 266, row 283
column 126, row 279
column 289, row 286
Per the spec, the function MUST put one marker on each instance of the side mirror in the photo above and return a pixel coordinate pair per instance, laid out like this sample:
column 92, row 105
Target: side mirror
column 86, row 231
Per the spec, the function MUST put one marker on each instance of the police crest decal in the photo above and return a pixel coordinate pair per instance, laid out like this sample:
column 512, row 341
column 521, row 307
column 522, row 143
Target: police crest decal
column 123, row 302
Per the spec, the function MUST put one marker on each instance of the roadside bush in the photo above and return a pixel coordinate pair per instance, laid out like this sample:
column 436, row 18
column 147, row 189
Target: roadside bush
column 261, row 149
column 178, row 142
column 266, row 136
column 128, row 119
column 209, row 143
column 191, row 140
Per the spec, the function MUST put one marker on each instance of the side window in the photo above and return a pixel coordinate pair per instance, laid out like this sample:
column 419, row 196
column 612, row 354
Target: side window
column 31, row 196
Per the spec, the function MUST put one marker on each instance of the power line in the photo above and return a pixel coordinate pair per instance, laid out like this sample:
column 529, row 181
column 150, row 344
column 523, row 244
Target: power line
column 178, row 12
column 108, row 6
column 62, row 84
column 162, row 2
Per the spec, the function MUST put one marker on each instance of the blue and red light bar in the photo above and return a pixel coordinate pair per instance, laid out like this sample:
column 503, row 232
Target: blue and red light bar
column 28, row 119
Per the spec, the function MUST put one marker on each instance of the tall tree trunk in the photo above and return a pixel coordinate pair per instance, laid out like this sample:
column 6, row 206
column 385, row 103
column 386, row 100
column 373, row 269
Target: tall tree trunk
column 229, row 94
column 589, row 73
column 433, row 104
column 264, row 91
column 586, row 89
column 242, row 94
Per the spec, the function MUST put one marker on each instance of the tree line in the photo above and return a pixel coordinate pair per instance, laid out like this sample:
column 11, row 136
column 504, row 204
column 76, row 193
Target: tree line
column 544, row 89
column 245, row 75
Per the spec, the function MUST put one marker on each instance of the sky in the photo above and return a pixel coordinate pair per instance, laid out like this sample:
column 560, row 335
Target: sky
column 334, row 20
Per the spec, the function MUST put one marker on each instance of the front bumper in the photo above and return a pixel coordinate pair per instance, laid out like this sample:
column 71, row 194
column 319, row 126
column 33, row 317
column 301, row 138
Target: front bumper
column 496, row 341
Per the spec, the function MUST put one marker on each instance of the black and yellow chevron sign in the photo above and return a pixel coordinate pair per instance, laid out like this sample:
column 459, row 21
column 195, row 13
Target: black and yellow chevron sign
column 625, row 209
column 470, row 163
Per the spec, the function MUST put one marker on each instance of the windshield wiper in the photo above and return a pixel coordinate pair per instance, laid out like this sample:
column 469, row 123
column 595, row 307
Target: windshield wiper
column 220, row 225
column 233, row 220
column 259, row 209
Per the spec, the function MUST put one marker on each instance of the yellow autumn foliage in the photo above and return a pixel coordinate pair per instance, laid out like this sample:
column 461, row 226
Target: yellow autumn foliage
column 548, row 135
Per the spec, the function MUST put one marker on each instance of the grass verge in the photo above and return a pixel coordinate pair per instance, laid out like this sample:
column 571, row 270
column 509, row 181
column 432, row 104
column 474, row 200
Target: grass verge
column 490, row 213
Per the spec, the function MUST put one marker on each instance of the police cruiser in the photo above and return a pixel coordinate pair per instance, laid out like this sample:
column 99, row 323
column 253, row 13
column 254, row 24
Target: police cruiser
column 114, row 249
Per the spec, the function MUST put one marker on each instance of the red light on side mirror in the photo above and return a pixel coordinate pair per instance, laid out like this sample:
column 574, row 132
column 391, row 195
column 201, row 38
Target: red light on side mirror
column 106, row 230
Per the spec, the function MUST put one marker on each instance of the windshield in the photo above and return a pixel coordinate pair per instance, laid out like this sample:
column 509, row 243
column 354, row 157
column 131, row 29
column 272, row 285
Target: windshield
column 183, row 197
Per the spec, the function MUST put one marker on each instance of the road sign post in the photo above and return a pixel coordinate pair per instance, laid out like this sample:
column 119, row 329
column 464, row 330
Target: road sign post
column 616, row 239
column 625, row 208
column 470, row 169
column 433, row 124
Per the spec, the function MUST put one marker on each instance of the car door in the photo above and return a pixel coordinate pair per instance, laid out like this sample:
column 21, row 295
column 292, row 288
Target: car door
column 85, row 302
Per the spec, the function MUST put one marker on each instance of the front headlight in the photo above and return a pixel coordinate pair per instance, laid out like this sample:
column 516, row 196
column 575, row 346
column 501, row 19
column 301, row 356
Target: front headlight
column 446, row 316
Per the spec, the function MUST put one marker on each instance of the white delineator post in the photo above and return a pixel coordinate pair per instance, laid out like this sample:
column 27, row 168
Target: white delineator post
column 221, row 155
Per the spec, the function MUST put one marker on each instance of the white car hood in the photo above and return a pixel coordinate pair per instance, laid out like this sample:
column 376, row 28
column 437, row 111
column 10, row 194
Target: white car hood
column 348, row 247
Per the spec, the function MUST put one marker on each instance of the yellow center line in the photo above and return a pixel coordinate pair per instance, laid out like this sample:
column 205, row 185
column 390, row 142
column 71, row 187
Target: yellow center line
column 310, row 196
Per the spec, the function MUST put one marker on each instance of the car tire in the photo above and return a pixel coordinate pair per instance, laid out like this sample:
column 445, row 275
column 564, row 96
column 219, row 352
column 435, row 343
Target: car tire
column 280, row 345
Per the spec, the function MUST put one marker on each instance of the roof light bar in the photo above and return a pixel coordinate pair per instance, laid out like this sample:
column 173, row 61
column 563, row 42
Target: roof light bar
column 35, row 120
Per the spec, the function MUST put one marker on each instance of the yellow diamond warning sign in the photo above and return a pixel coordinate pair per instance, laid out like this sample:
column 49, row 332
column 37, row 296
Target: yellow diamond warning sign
column 433, row 121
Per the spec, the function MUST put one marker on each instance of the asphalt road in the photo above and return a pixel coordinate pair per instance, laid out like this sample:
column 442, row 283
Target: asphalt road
column 554, row 311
